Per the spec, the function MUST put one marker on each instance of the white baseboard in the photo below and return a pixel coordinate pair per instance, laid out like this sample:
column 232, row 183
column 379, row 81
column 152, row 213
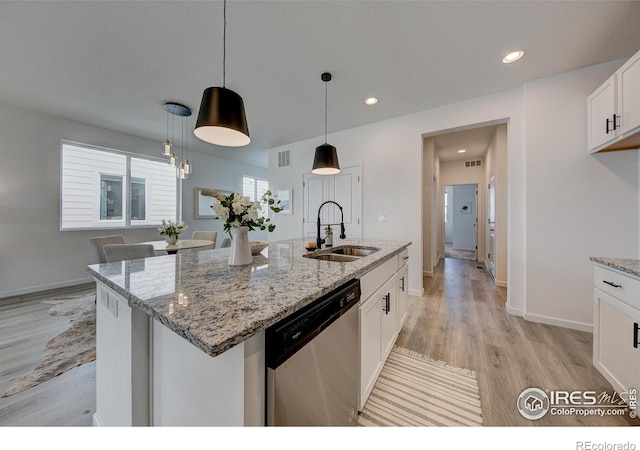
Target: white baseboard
column 45, row 287
column 417, row 292
column 427, row 274
column 580, row 326
column 501, row 283
column 514, row 311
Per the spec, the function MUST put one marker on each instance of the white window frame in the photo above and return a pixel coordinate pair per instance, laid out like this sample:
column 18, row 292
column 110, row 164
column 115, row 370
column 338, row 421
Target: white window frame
column 126, row 222
column 255, row 197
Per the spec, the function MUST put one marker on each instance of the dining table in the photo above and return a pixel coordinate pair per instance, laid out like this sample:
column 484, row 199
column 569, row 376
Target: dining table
column 181, row 244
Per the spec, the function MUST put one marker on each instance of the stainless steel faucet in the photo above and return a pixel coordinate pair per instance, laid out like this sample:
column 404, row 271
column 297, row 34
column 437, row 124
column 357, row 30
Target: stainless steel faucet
column 319, row 240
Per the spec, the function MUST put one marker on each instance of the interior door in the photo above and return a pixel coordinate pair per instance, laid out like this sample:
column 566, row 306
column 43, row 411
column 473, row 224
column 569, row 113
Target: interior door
column 491, row 229
column 343, row 188
column 465, row 217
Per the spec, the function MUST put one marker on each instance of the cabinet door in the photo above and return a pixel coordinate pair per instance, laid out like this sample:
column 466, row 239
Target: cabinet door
column 402, row 289
column 389, row 308
column 601, row 105
column 628, row 87
column 370, row 353
column 615, row 347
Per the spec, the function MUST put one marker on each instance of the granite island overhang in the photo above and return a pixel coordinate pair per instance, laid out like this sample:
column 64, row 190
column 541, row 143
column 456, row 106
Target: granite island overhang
column 211, row 306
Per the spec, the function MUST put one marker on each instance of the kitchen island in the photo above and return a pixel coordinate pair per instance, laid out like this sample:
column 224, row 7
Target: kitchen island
column 180, row 338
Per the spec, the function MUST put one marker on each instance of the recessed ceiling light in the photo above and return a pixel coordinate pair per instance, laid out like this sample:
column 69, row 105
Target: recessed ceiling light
column 371, row 101
column 513, row 56
column 462, row 150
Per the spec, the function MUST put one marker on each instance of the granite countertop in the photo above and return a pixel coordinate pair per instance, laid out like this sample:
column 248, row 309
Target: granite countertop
column 630, row 266
column 216, row 306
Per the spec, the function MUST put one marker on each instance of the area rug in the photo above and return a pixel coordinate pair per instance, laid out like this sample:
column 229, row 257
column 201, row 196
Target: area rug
column 415, row 390
column 73, row 347
column 449, row 252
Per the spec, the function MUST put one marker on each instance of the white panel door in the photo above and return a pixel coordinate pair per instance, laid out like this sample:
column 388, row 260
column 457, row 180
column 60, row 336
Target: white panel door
column 343, row 188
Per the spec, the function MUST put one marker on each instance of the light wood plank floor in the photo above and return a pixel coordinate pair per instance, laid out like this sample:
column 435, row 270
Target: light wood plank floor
column 460, row 320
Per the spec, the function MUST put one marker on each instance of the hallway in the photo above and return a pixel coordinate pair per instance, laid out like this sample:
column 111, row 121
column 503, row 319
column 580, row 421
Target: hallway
column 461, row 320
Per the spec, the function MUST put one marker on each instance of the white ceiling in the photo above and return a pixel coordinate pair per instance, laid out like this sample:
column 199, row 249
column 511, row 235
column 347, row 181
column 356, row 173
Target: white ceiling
column 475, row 141
column 115, row 63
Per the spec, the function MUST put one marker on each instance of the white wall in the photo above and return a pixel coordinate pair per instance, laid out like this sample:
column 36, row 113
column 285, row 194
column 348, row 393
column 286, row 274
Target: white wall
column 563, row 205
column 391, row 154
column 34, row 254
column 578, row 205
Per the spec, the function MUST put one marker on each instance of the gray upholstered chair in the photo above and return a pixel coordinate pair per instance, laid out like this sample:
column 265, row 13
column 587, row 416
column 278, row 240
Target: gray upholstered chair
column 123, row 252
column 97, row 244
column 206, row 235
column 226, row 242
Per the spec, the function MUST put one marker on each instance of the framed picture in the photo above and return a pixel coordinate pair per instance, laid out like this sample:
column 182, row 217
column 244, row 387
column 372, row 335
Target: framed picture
column 203, row 204
column 286, row 200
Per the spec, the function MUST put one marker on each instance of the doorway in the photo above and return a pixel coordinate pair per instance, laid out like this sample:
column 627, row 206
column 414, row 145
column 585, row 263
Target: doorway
column 461, row 221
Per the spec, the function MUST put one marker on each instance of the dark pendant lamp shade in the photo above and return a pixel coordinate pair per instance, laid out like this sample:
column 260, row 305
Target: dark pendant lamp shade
column 221, row 119
column 325, row 161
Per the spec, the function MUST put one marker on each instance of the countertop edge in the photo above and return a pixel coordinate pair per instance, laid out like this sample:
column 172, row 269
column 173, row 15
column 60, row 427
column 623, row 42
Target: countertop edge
column 627, row 266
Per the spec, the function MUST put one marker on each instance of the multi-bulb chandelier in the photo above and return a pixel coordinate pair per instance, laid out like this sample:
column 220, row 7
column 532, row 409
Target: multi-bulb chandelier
column 183, row 168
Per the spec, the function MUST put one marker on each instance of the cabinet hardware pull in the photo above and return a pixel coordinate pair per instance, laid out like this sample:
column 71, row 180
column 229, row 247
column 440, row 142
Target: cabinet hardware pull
column 608, row 122
column 405, row 257
column 616, row 125
column 611, row 283
column 402, row 287
column 635, row 335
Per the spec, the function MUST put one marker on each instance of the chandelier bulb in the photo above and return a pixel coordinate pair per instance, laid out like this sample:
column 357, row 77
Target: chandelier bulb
column 167, row 148
column 172, row 160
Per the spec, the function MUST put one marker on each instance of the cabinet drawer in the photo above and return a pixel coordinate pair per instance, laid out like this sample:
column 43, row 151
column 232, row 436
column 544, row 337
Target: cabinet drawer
column 403, row 258
column 376, row 277
column 620, row 286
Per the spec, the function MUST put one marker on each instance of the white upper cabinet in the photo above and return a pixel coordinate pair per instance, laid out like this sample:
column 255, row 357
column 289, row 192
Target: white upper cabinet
column 629, row 96
column 613, row 110
column 601, row 107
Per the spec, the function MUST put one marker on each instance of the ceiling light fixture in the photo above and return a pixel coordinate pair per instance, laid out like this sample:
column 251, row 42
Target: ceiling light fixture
column 462, row 150
column 221, row 119
column 513, row 56
column 183, row 169
column 371, row 101
column 325, row 161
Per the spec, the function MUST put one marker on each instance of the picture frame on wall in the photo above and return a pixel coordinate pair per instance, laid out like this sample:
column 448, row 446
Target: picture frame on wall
column 203, row 204
column 286, row 200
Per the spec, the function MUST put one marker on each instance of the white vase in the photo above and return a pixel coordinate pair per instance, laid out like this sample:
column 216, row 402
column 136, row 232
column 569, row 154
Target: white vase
column 171, row 238
column 240, row 250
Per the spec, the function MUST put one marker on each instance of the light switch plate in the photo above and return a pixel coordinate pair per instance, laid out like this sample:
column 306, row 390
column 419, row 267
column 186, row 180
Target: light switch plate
column 382, row 217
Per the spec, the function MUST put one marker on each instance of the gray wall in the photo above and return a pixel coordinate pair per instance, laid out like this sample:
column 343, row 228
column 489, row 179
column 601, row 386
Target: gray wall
column 34, row 253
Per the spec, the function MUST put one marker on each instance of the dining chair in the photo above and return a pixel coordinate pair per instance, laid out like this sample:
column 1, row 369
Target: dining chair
column 206, row 235
column 123, row 252
column 226, row 242
column 98, row 244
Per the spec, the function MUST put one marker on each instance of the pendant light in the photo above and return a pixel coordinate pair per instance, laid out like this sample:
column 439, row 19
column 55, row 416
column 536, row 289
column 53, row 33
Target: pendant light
column 325, row 161
column 221, row 119
column 167, row 143
column 183, row 168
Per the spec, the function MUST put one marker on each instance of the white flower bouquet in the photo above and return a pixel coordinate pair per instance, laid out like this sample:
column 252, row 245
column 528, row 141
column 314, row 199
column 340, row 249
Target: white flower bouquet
column 171, row 228
column 239, row 211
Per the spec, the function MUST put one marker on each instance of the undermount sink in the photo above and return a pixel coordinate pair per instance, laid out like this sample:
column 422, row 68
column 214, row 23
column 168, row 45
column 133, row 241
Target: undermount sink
column 344, row 253
column 331, row 257
column 354, row 250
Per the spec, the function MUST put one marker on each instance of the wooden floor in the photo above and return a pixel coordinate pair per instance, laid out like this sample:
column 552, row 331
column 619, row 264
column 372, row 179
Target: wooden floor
column 461, row 320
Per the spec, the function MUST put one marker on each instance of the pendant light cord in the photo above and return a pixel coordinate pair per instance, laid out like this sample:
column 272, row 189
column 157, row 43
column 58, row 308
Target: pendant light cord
column 224, row 43
column 325, row 111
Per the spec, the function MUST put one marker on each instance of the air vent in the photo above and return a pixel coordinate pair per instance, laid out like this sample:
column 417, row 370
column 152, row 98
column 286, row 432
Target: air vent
column 476, row 163
column 284, row 158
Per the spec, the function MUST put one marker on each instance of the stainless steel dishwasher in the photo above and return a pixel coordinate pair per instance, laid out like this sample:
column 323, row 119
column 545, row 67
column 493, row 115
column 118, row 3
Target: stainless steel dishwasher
column 312, row 363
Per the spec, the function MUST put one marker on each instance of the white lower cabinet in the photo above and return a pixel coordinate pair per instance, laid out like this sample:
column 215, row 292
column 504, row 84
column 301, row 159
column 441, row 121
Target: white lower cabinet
column 616, row 333
column 402, row 295
column 370, row 316
column 382, row 312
